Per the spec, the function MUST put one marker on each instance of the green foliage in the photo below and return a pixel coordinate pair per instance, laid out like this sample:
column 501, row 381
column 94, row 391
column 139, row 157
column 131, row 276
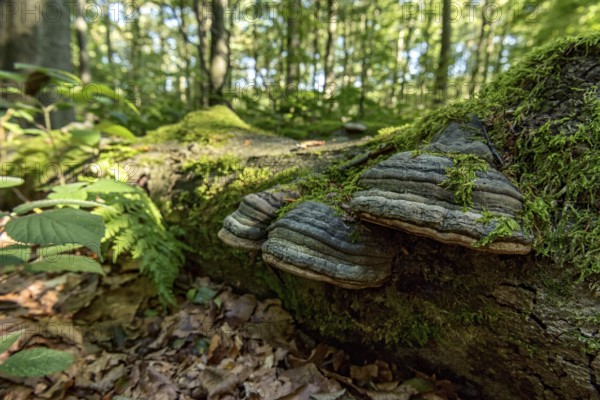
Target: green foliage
column 461, row 177
column 134, row 225
column 504, row 227
column 211, row 126
column 36, row 362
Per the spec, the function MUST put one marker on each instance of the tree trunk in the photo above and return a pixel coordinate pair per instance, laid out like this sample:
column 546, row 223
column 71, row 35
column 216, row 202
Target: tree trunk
column 478, row 49
column 198, row 7
column 82, row 30
column 441, row 77
column 219, row 52
column 329, row 47
column 107, row 38
column 293, row 44
column 364, row 63
column 42, row 38
column 498, row 326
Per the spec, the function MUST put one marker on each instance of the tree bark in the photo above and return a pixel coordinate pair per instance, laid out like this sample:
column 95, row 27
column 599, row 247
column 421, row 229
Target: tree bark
column 82, row 29
column 329, row 47
column 31, row 35
column 441, row 77
column 219, row 53
column 293, row 44
column 498, row 326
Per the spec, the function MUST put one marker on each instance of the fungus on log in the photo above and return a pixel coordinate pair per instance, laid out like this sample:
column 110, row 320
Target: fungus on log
column 312, row 242
column 246, row 228
column 407, row 192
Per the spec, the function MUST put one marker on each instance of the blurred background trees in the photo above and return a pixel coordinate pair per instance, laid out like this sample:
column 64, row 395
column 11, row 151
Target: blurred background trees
column 298, row 66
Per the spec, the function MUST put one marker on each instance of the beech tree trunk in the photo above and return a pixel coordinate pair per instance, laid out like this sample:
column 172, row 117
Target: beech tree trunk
column 219, row 52
column 37, row 32
column 498, row 326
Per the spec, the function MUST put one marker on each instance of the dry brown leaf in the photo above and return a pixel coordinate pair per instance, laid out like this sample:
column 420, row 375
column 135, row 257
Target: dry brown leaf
column 216, row 382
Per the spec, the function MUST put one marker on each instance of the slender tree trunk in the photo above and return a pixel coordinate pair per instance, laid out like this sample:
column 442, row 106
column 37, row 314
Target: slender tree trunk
column 293, row 43
column 329, row 47
column 364, row 65
column 498, row 62
column 478, row 50
column 316, row 52
column 489, row 48
column 219, row 52
column 81, row 29
column 425, row 59
column 441, row 77
column 346, row 49
column 107, row 38
column 198, row 7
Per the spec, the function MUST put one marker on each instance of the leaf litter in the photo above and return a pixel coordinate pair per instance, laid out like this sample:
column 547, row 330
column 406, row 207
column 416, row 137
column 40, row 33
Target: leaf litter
column 218, row 345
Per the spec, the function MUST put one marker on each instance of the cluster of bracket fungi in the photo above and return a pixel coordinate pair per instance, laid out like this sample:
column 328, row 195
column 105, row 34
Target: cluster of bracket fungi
column 403, row 192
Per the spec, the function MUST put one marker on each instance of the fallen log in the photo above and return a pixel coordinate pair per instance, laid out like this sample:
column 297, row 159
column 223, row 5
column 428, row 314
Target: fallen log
column 501, row 326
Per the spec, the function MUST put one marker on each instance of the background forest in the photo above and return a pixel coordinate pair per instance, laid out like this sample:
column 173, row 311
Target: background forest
column 296, row 67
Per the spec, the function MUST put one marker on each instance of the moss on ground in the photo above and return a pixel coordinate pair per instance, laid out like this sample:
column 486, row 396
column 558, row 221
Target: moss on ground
column 211, row 126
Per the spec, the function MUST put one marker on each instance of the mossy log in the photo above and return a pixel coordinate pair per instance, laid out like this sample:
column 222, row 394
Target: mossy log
column 499, row 326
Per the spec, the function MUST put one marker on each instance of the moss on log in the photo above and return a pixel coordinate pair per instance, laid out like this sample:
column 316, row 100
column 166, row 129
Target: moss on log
column 502, row 326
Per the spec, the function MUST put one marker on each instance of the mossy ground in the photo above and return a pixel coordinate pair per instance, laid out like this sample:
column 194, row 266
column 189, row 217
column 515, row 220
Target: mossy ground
column 212, row 126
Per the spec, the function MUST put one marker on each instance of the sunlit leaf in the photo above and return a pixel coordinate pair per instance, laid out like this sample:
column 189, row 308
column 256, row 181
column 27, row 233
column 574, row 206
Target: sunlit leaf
column 64, row 226
column 115, row 130
column 66, row 262
column 110, row 186
column 36, row 362
column 27, row 207
column 10, row 181
column 15, row 254
column 7, row 340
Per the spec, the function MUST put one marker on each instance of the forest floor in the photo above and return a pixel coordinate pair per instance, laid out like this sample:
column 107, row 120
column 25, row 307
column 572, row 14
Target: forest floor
column 217, row 345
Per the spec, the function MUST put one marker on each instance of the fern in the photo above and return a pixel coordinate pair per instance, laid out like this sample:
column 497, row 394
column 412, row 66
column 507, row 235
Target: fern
column 134, row 225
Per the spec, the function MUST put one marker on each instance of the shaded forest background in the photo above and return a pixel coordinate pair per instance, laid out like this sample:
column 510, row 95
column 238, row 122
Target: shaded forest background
column 299, row 68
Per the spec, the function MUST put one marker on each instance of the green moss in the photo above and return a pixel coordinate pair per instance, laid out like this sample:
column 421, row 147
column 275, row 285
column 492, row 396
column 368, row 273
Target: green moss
column 505, row 227
column 214, row 125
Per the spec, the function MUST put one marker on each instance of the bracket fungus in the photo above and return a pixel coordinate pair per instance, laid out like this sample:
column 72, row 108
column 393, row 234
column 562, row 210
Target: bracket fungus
column 246, row 228
column 410, row 192
column 313, row 242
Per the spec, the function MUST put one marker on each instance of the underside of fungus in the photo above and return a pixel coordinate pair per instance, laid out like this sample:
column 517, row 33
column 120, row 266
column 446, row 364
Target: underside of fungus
column 313, row 242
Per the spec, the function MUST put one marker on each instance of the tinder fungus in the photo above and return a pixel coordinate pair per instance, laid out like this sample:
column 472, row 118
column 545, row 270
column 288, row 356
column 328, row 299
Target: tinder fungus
column 312, row 241
column 246, row 228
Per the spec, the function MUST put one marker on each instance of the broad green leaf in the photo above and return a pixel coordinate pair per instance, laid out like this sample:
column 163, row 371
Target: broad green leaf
column 64, row 226
column 50, row 251
column 69, row 193
column 23, row 114
column 27, row 207
column 7, row 340
column 12, row 127
column 36, row 362
column 15, row 254
column 115, row 130
column 88, row 137
column 90, row 92
column 33, row 131
column 110, row 186
column 66, row 262
column 57, row 74
column 13, row 76
column 10, row 90
column 10, row 181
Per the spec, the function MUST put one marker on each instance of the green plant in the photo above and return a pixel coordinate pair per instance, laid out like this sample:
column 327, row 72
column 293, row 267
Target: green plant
column 133, row 225
column 45, row 234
